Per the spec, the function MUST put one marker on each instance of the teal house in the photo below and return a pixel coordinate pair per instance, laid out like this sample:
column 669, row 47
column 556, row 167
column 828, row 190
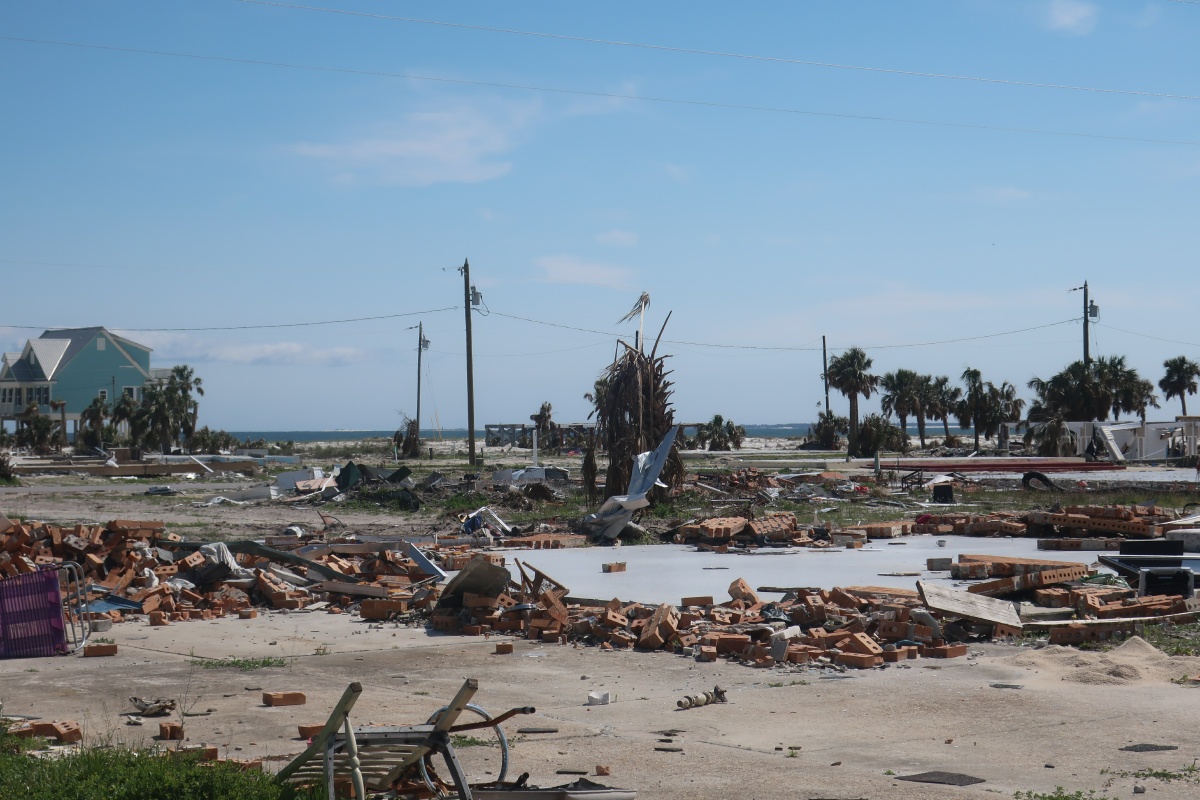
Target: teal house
column 76, row 365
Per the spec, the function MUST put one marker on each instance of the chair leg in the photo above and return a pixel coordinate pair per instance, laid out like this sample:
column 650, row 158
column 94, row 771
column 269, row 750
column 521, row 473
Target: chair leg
column 355, row 764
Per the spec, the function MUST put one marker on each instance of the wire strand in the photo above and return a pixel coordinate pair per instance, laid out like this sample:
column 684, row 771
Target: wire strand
column 1146, row 335
column 784, row 348
column 250, row 327
column 610, row 95
column 726, row 54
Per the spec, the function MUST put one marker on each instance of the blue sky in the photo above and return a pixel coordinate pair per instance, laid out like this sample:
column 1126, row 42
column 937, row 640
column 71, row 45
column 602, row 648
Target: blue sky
column 159, row 192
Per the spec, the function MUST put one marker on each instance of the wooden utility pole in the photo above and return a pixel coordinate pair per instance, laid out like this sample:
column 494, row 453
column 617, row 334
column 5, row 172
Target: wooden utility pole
column 421, row 345
column 1087, row 355
column 824, row 373
column 466, row 273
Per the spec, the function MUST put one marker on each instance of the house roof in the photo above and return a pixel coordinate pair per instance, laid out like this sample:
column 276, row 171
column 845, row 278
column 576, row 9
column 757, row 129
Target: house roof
column 6, row 362
column 76, row 339
column 56, row 348
column 49, row 354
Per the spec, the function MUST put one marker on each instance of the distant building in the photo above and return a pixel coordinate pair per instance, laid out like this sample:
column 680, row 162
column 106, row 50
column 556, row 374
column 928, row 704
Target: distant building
column 76, row 365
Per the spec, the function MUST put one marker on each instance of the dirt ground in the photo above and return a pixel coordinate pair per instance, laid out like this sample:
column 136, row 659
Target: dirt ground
column 785, row 732
column 855, row 731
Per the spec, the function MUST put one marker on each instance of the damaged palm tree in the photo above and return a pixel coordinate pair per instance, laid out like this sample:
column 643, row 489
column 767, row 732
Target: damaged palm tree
column 633, row 417
column 410, row 440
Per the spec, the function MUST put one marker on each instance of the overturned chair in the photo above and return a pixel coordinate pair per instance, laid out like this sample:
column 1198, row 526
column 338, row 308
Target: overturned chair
column 399, row 760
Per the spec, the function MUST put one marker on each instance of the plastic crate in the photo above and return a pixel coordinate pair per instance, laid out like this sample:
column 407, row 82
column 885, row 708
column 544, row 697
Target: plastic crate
column 31, row 616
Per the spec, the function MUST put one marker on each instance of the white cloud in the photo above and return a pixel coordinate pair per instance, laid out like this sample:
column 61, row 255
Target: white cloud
column 459, row 144
column 569, row 269
column 175, row 348
column 1075, row 17
column 618, row 238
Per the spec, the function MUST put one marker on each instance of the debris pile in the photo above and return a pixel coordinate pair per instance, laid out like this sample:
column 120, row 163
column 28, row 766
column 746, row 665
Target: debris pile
column 1070, row 528
column 137, row 567
column 854, row 627
column 1096, row 606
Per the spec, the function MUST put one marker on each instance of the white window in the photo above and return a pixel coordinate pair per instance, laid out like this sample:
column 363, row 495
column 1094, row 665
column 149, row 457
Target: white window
column 99, row 342
column 104, row 395
column 131, row 392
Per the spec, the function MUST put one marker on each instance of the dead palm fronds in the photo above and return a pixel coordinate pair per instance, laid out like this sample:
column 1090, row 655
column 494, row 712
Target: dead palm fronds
column 633, row 414
column 639, row 311
column 411, row 446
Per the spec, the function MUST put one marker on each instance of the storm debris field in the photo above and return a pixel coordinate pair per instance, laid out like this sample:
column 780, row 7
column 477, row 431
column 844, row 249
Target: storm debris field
column 477, row 587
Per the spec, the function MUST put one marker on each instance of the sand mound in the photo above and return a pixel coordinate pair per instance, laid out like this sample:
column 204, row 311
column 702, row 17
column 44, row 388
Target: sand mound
column 1134, row 661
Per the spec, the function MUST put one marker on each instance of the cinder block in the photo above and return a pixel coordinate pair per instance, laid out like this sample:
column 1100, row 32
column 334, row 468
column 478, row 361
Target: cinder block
column 170, row 731
column 504, row 648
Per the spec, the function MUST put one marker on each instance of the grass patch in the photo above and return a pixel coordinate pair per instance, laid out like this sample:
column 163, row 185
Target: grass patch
column 1175, row 640
column 1060, row 793
column 1188, row 774
column 781, row 684
column 458, row 740
column 243, row 664
column 118, row 774
column 465, row 501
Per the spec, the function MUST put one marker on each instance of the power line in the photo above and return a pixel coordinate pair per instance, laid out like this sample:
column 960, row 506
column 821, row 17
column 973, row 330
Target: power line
column 726, row 54
column 250, row 327
column 78, row 265
column 1146, row 335
column 782, row 348
column 607, row 95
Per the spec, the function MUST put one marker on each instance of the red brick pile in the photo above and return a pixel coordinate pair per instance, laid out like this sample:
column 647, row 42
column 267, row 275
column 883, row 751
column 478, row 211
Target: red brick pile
column 132, row 560
column 856, row 627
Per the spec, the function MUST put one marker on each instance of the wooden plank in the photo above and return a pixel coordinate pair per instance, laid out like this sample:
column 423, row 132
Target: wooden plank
column 968, row 606
column 356, row 589
column 1178, row 619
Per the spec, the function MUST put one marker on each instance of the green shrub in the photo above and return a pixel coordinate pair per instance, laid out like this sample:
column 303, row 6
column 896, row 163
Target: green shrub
column 118, row 774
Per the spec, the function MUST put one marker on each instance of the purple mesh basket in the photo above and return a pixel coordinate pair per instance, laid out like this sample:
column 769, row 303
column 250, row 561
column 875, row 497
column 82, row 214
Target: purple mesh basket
column 31, row 616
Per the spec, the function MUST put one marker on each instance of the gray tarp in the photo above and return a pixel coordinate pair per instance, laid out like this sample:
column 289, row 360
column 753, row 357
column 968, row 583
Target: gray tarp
column 617, row 511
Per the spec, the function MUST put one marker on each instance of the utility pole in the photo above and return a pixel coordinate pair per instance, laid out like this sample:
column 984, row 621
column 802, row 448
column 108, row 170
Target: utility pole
column 1087, row 356
column 825, row 372
column 1090, row 311
column 422, row 344
column 467, row 290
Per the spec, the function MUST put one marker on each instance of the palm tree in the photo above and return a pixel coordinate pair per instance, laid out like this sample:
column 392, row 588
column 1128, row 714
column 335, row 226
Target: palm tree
column 850, row 374
column 61, row 435
column 186, row 382
column 92, row 418
column 924, row 402
column 1075, row 392
column 159, row 413
column 900, row 395
column 124, row 411
column 1001, row 407
column 1046, row 428
column 721, row 434
column 944, row 399
column 970, row 409
column 1180, row 379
